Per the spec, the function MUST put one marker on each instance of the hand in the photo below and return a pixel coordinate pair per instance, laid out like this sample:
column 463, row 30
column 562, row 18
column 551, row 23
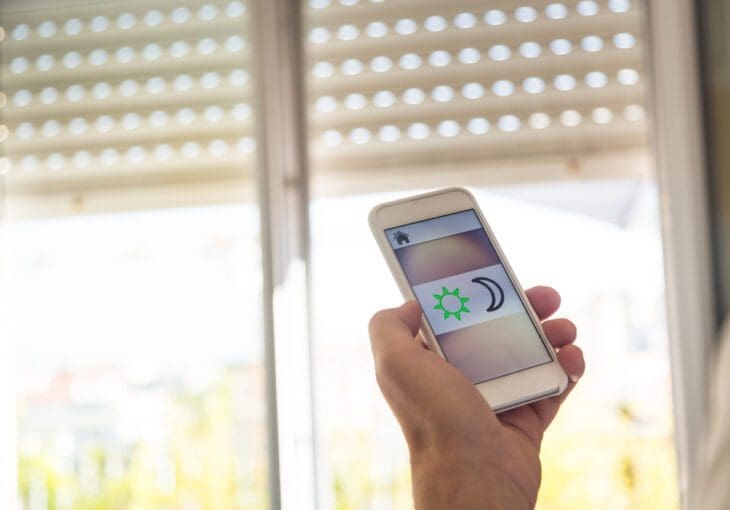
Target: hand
column 463, row 456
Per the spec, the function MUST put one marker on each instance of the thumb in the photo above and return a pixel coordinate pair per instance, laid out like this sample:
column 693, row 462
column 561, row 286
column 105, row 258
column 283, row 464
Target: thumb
column 394, row 326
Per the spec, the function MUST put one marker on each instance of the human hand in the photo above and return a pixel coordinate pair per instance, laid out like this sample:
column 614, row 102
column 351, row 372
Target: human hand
column 463, row 456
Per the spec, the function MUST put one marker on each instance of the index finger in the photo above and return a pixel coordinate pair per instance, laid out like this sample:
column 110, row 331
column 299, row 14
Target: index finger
column 545, row 301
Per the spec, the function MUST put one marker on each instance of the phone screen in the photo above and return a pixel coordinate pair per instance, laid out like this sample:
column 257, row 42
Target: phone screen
column 473, row 308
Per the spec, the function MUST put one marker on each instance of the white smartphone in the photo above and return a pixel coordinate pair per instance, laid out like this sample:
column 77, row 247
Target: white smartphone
column 443, row 254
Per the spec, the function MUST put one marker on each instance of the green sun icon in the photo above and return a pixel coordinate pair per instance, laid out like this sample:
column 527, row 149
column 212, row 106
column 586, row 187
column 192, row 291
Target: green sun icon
column 451, row 303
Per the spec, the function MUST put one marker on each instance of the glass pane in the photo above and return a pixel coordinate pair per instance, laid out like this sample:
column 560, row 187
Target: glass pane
column 408, row 101
column 131, row 265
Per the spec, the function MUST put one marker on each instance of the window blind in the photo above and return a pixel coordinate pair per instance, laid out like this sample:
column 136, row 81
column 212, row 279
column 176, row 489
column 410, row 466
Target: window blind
column 106, row 94
column 399, row 84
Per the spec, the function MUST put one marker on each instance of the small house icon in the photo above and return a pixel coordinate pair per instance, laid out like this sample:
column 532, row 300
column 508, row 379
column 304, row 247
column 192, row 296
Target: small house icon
column 401, row 238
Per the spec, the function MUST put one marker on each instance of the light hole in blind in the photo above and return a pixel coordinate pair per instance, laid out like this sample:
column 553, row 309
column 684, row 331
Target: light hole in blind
column 124, row 55
column 131, row 121
column 619, row 6
column 179, row 49
column 207, row 46
column 495, row 17
column 319, row 4
column 413, row 96
column 628, row 77
column 351, row 67
column 126, row 21
column 29, row 163
column 241, row 111
column 183, row 82
column 509, row 123
column 602, row 115
column 235, row 43
column 587, row 8
column 99, row 24
column 23, row 97
column 349, row 2
column 530, row 49
column 218, row 148
column 442, row 94
column 539, row 120
column 19, row 65
column 503, row 88
column 448, row 128
column 564, row 82
column 180, row 15
column 102, row 90
column 190, row 150
column 73, row 26
column 136, row 154
column 406, row 26
column 45, row 63
column 355, row 102
column 128, row 88
column 98, row 57
column 472, row 91
column 389, row 134
column 596, row 79
column 152, row 51
column 435, row 23
column 418, row 131
column 213, row 114
column 624, row 40
column 499, row 53
column 55, row 161
column 533, row 85
column 384, row 99
column 155, row 85
column 20, row 32
column 158, row 119
column 469, row 56
column 71, row 60
column 235, row 9
column 478, row 126
column 525, row 14
column 376, row 29
column 185, row 116
column 163, row 152
column 381, row 64
column 207, row 12
column 556, row 11
column 465, row 20
column 561, row 46
column 410, row 61
column 634, row 113
column 347, row 33
column 47, row 29
column 49, row 95
column 331, row 138
column 571, row 118
column 592, row 43
column 82, row 159
column 238, row 78
column 360, row 136
column 322, row 70
column 439, row 58
column 51, row 128
column 210, row 80
column 152, row 18
column 104, row 123
column 319, row 35
column 24, row 131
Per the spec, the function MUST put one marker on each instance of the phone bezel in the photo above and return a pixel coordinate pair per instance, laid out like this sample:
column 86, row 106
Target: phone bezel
column 502, row 393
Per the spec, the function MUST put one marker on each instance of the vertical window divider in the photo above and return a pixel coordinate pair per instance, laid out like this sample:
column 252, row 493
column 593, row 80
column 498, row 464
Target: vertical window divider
column 282, row 177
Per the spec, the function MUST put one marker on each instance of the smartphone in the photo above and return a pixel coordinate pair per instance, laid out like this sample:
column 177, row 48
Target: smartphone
column 443, row 254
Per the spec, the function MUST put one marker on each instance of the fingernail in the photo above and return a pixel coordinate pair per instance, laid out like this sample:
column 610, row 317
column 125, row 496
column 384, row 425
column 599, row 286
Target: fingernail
column 574, row 378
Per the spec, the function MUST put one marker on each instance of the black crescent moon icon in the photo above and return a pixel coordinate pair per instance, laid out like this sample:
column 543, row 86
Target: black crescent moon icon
column 497, row 301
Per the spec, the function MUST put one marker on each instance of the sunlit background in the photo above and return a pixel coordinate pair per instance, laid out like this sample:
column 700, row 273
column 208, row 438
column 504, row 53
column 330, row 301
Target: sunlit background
column 131, row 285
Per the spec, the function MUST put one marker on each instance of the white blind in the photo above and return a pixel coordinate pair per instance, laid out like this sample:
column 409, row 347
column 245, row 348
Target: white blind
column 398, row 84
column 107, row 94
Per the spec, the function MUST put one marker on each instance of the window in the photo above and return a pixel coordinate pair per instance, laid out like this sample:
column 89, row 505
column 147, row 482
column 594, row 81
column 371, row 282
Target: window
column 132, row 283
column 540, row 108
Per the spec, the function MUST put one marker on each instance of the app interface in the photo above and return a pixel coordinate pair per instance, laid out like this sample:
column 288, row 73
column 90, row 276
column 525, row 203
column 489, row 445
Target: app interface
column 469, row 301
